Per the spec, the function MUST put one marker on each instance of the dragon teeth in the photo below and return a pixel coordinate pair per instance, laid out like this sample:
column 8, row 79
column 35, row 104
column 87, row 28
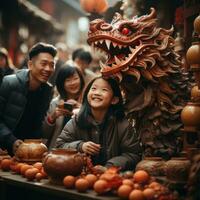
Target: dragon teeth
column 108, row 43
column 113, row 65
column 117, row 61
column 101, row 64
column 125, row 69
column 100, row 41
column 131, row 49
column 114, row 44
column 119, row 76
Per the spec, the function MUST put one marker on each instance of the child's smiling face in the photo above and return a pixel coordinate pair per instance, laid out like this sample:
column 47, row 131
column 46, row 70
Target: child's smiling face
column 100, row 95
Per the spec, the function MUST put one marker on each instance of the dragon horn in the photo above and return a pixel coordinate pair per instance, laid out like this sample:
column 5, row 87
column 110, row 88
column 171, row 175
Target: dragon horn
column 116, row 17
column 150, row 16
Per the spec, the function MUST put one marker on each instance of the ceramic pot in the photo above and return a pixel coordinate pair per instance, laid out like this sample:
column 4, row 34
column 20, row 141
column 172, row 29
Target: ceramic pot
column 190, row 116
column 193, row 55
column 155, row 166
column 197, row 24
column 62, row 162
column 31, row 150
column 177, row 169
column 195, row 94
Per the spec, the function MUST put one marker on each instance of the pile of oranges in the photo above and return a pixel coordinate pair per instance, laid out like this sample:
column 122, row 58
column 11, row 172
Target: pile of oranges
column 131, row 186
column 30, row 171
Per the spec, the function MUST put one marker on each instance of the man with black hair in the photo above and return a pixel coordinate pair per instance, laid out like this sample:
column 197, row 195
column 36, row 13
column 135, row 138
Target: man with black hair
column 76, row 52
column 25, row 98
column 83, row 59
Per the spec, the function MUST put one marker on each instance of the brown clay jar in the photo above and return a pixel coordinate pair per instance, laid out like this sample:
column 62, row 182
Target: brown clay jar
column 197, row 24
column 190, row 115
column 155, row 166
column 62, row 162
column 177, row 169
column 31, row 150
column 195, row 94
column 193, row 54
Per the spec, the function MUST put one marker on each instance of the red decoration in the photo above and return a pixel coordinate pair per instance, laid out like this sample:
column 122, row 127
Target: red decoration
column 125, row 31
column 48, row 6
column 93, row 6
column 179, row 15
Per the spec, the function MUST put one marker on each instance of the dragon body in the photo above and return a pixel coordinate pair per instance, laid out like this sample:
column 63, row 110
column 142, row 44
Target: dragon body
column 142, row 57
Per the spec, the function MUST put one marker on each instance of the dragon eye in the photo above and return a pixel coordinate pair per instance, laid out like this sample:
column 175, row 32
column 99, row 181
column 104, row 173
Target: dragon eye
column 125, row 31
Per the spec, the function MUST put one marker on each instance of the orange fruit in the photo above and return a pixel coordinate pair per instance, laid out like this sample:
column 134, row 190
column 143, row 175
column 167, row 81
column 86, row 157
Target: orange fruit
column 24, row 168
column 100, row 186
column 31, row 173
column 136, row 195
column 149, row 193
column 124, row 191
column 5, row 164
column 91, row 178
column 69, row 181
column 141, row 176
column 81, row 185
column 38, row 165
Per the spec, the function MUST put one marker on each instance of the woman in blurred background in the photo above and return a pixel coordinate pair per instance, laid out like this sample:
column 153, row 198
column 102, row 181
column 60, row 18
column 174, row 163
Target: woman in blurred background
column 6, row 65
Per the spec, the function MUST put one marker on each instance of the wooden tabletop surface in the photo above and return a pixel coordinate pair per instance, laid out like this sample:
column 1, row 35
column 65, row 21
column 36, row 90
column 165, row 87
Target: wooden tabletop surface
column 47, row 187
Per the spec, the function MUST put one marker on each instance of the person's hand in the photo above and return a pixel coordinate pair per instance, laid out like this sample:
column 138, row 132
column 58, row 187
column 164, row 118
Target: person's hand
column 73, row 102
column 16, row 144
column 91, row 148
column 60, row 112
column 75, row 112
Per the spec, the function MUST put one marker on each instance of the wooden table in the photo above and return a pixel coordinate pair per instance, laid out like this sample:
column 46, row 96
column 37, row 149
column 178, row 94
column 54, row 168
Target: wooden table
column 14, row 187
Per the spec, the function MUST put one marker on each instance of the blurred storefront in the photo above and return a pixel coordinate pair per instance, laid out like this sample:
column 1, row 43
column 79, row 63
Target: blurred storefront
column 71, row 16
column 22, row 24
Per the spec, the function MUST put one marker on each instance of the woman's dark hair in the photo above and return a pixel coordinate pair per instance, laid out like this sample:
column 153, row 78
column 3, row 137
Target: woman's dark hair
column 116, row 110
column 65, row 72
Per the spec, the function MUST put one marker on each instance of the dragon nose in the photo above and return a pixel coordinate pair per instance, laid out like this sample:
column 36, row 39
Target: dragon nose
column 100, row 27
column 106, row 27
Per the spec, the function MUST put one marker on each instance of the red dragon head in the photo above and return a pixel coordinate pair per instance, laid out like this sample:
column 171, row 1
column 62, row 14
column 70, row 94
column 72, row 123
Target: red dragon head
column 136, row 47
